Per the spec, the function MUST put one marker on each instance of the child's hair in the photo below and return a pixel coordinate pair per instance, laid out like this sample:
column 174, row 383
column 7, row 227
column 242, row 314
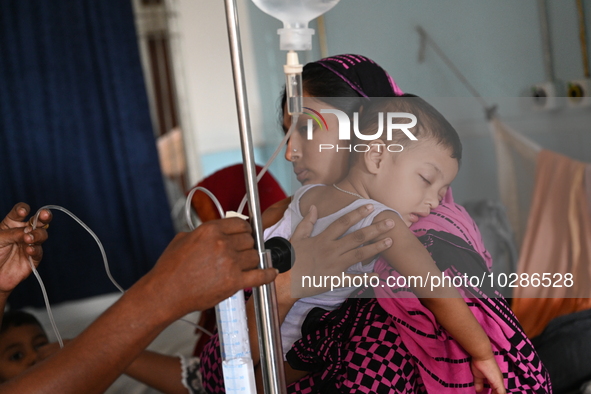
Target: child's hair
column 430, row 123
column 18, row 318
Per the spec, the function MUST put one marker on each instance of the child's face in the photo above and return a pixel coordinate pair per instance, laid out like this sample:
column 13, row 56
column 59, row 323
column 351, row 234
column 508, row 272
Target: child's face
column 415, row 182
column 19, row 349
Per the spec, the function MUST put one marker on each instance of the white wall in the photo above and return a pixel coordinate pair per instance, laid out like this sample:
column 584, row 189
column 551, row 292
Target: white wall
column 204, row 75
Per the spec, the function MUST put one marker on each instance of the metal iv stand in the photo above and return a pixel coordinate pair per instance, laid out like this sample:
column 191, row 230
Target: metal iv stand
column 267, row 316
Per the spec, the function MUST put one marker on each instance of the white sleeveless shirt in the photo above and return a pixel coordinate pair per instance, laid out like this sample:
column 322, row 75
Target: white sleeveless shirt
column 330, row 300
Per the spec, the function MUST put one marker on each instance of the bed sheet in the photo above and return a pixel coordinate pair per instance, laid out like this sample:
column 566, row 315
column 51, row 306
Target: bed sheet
column 73, row 317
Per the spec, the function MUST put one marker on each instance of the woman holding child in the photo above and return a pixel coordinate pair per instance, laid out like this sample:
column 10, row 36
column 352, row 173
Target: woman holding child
column 395, row 342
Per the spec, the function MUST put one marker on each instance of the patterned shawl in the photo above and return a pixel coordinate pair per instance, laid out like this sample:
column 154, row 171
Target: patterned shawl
column 393, row 344
column 363, row 75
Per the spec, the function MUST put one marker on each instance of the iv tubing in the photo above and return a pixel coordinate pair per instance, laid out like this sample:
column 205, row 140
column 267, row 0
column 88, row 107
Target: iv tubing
column 294, row 103
column 293, row 83
column 294, row 121
column 188, row 205
column 46, row 300
column 105, row 261
column 80, row 222
column 36, row 273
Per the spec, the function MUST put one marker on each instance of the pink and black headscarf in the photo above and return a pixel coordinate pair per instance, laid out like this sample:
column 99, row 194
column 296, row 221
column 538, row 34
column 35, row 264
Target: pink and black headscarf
column 363, row 75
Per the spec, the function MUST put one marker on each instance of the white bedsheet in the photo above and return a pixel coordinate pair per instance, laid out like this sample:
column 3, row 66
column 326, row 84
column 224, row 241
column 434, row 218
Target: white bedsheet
column 73, row 317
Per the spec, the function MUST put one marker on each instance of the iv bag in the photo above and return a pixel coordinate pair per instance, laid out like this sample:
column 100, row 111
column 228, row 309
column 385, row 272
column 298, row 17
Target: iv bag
column 295, row 15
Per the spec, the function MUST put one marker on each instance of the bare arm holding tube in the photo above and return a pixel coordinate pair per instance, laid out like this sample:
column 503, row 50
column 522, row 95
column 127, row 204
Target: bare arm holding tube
column 196, row 271
column 221, row 251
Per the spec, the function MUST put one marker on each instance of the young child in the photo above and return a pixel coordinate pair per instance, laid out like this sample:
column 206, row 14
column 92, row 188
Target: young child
column 21, row 337
column 402, row 186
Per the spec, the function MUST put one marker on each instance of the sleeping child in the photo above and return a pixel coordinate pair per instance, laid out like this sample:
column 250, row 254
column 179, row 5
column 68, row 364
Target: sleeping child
column 404, row 178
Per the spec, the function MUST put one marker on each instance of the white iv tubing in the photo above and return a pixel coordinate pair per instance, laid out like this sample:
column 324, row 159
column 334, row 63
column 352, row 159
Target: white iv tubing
column 294, row 121
column 45, row 298
column 105, row 261
column 188, row 205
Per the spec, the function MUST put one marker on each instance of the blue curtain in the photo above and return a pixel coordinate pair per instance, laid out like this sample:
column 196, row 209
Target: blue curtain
column 75, row 131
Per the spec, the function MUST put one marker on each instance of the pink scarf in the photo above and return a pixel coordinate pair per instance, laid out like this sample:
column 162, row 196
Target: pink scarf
column 444, row 364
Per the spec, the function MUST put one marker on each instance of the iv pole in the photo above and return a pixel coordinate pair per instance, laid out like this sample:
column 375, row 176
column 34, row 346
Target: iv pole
column 267, row 316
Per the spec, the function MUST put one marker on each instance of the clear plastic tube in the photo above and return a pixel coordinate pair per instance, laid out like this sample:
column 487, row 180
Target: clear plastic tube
column 105, row 262
column 293, row 83
column 294, row 93
column 46, row 300
column 100, row 245
column 294, row 121
column 36, row 273
column 188, row 205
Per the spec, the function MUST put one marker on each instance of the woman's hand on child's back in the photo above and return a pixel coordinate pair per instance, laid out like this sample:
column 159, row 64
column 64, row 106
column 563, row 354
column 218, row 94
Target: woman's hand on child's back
column 487, row 370
column 329, row 254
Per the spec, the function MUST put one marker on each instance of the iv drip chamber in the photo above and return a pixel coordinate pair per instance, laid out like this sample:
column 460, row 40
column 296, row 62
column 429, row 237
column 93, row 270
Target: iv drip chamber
column 295, row 15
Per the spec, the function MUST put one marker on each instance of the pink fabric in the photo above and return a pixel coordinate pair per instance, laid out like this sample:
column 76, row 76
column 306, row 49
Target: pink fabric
column 429, row 342
column 395, row 87
column 362, row 74
column 463, row 226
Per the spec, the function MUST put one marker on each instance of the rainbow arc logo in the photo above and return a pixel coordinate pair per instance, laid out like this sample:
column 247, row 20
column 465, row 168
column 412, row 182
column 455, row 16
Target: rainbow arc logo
column 317, row 117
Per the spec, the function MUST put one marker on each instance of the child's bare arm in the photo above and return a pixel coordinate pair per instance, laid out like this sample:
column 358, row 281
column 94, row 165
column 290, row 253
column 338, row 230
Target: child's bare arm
column 410, row 258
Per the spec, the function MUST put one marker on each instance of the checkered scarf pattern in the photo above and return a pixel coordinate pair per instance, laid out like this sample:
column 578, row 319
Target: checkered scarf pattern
column 394, row 345
column 361, row 348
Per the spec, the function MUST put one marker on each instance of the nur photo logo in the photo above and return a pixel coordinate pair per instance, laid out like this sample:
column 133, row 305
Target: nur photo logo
column 390, row 122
